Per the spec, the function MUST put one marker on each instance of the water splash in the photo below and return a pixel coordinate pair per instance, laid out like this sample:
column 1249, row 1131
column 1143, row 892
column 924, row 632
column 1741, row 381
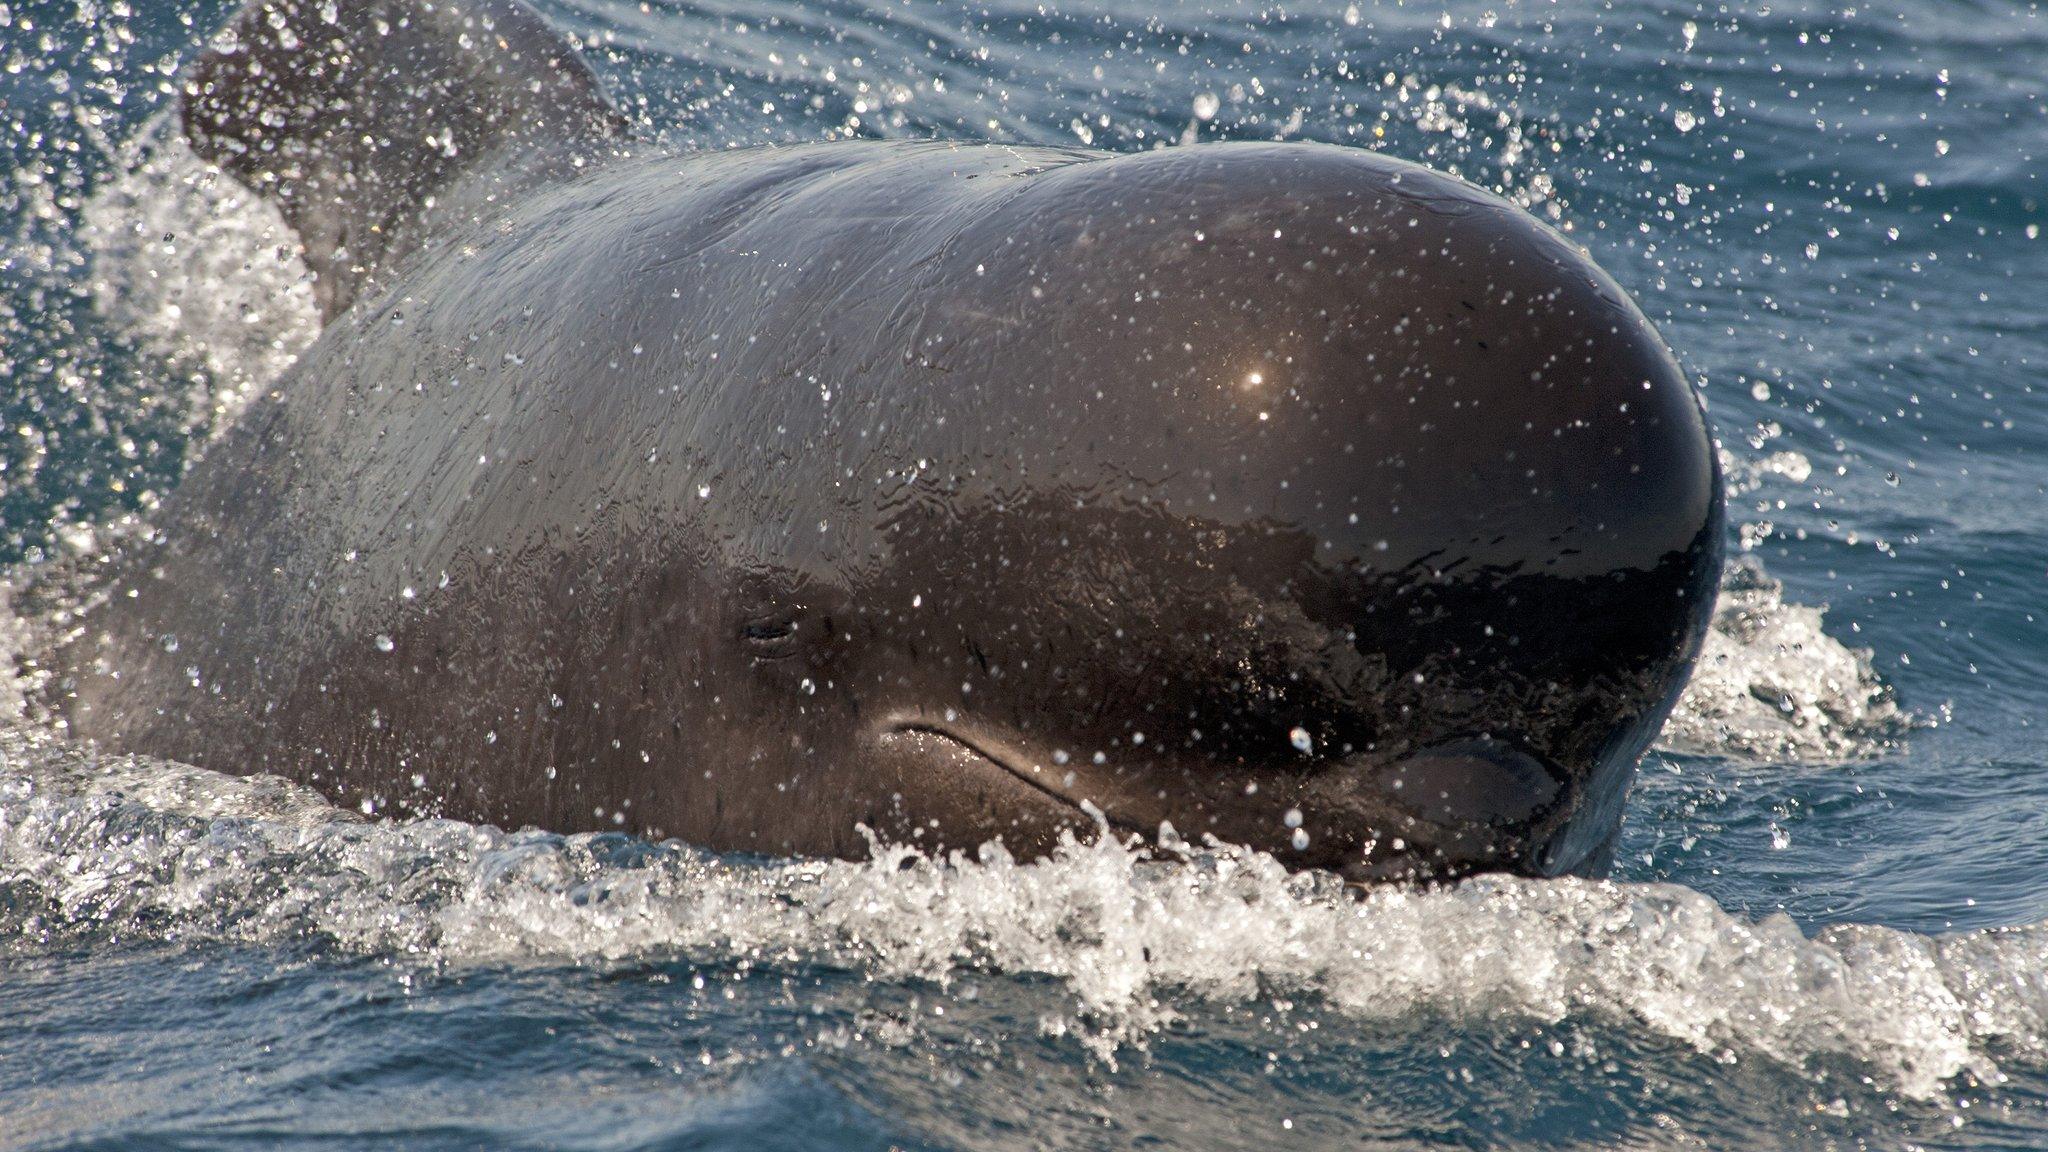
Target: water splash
column 1771, row 684
column 199, row 271
column 95, row 849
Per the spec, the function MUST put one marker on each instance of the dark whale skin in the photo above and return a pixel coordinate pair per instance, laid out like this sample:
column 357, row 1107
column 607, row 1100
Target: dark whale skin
column 1285, row 493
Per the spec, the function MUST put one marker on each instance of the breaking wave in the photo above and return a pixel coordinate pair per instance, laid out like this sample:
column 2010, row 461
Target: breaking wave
column 119, row 848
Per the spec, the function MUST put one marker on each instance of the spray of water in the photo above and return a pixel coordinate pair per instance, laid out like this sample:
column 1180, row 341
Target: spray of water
column 99, row 849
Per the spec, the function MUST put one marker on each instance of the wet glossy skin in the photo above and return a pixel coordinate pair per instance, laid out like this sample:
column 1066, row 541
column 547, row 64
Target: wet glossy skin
column 1285, row 493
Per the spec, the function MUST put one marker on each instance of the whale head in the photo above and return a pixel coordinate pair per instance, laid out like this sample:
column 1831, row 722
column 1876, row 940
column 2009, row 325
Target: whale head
column 1288, row 495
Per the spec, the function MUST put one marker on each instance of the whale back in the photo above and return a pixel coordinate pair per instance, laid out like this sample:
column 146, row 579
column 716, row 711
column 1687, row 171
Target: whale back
column 362, row 120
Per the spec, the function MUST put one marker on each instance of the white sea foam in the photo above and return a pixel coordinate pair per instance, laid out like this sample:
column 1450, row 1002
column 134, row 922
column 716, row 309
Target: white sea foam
column 127, row 848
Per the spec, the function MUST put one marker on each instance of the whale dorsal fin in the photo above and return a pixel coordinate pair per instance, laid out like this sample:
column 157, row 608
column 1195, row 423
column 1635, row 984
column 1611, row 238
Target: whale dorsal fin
column 358, row 117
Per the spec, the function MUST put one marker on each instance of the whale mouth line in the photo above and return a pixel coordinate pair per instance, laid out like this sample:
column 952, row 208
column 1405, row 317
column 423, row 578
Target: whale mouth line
column 1094, row 812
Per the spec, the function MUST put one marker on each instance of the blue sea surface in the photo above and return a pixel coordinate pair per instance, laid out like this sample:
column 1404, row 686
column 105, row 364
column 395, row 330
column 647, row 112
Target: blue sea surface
column 1828, row 923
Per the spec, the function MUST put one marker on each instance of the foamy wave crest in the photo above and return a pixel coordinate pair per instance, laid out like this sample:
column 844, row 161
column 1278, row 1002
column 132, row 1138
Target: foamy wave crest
column 91, row 849
column 197, row 270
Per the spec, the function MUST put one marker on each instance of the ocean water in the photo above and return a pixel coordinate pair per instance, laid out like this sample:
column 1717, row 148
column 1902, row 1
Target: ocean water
column 1828, row 925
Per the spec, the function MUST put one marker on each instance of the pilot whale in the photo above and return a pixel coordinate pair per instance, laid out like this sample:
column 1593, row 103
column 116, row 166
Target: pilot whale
column 1287, row 494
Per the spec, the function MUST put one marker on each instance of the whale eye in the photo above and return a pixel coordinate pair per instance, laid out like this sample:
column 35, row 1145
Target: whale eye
column 773, row 636
column 777, row 615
